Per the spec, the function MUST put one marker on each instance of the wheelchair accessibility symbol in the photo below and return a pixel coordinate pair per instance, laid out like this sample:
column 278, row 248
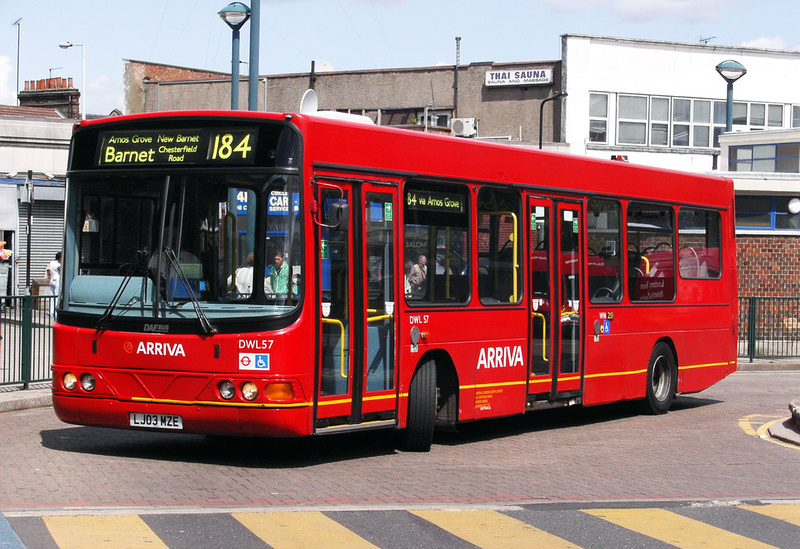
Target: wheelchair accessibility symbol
column 253, row 361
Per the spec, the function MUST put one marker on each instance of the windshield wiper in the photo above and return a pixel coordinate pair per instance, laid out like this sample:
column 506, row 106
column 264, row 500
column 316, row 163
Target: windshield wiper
column 205, row 325
column 136, row 265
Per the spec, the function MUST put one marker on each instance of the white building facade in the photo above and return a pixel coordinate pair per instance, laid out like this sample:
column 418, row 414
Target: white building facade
column 663, row 104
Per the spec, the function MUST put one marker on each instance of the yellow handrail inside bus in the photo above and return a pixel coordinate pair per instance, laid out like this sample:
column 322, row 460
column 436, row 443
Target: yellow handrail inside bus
column 379, row 317
column 646, row 265
column 513, row 237
column 343, row 363
column 544, row 335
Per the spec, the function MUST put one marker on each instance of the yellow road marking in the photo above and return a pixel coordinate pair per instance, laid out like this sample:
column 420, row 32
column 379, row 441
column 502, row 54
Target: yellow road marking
column 307, row 529
column 675, row 529
column 757, row 425
column 788, row 512
column 117, row 532
column 490, row 529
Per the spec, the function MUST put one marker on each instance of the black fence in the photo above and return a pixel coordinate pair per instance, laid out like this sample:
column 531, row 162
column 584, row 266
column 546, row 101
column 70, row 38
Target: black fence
column 26, row 325
column 769, row 327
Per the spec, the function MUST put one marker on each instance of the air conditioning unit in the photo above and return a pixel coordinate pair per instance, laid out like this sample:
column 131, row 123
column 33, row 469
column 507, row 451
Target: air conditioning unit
column 464, row 127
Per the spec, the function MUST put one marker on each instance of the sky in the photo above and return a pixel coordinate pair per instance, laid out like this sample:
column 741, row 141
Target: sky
column 350, row 34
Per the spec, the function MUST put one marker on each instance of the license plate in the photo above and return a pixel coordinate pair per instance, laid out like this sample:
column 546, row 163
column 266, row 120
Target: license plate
column 155, row 421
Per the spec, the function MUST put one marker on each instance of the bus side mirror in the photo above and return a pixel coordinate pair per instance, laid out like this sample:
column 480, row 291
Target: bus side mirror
column 340, row 215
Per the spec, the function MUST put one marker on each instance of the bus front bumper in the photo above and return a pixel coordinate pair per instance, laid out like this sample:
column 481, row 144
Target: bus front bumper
column 197, row 418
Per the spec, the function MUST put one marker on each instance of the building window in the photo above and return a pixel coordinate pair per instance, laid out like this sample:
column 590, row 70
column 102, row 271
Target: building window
column 781, row 158
column 796, row 116
column 767, row 213
column 701, row 127
column 681, row 116
column 739, row 114
column 598, row 117
column 775, row 116
column 632, row 116
column 659, row 125
column 684, row 122
column 758, row 114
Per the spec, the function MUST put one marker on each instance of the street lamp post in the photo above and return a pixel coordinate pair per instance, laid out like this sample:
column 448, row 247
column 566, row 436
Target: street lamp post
column 235, row 15
column 558, row 94
column 731, row 71
column 66, row 45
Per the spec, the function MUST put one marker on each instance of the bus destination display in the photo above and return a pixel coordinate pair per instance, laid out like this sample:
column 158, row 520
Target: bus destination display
column 176, row 147
column 435, row 201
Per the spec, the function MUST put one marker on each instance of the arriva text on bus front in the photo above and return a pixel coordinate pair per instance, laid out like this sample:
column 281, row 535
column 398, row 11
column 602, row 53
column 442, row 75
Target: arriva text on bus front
column 520, row 77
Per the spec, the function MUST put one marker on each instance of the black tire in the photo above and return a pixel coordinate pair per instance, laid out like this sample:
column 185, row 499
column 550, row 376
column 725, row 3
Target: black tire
column 662, row 380
column 418, row 434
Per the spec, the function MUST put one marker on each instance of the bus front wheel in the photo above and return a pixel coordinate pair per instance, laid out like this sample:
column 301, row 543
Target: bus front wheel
column 418, row 434
column 662, row 379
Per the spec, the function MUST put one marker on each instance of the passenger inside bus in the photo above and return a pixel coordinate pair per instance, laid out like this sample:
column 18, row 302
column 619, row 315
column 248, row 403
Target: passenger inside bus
column 243, row 278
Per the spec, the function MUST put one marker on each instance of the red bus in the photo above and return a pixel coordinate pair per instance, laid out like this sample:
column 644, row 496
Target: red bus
column 295, row 274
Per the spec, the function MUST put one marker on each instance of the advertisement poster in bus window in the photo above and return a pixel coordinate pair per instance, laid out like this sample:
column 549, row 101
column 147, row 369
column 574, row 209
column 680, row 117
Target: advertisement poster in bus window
column 278, row 203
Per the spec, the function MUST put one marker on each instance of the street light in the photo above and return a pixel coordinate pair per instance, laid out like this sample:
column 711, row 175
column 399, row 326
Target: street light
column 235, row 15
column 66, row 45
column 731, row 71
column 558, row 94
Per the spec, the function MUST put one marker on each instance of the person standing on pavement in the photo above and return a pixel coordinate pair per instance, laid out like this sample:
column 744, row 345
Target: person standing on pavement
column 54, row 274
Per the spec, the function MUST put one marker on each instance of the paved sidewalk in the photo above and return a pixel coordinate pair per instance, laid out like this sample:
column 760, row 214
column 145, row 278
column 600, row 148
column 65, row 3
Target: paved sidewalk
column 38, row 396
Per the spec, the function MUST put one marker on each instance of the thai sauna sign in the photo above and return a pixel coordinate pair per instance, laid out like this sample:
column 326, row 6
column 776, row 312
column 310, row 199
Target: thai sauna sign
column 520, row 77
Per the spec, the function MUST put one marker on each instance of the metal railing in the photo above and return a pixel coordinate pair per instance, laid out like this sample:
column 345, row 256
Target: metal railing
column 26, row 326
column 769, row 327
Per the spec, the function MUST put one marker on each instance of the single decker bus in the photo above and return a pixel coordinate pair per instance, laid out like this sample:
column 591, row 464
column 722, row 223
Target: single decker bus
column 281, row 275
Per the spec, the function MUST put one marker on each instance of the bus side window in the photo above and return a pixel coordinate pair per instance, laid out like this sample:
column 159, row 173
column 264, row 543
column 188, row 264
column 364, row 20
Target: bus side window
column 436, row 244
column 605, row 247
column 499, row 250
column 651, row 252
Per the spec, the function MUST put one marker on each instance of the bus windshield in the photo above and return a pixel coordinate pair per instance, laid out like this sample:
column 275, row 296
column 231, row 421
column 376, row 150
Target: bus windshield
column 182, row 245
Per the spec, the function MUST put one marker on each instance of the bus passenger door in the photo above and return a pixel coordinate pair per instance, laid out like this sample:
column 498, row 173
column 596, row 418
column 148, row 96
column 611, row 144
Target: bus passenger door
column 379, row 283
column 334, row 257
column 570, row 267
column 554, row 267
column 356, row 266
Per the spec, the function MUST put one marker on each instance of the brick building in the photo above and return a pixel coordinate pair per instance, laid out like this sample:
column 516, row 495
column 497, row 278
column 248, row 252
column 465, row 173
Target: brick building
column 765, row 167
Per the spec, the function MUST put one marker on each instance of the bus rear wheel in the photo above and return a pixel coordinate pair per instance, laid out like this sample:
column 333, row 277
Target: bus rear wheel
column 662, row 380
column 418, row 434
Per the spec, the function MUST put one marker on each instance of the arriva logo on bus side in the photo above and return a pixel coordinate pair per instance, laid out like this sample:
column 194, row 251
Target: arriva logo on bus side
column 500, row 357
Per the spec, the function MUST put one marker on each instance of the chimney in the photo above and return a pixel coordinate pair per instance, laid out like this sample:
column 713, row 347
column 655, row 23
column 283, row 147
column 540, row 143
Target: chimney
column 52, row 93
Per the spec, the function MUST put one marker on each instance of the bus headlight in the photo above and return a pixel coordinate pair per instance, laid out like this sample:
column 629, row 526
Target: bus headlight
column 226, row 389
column 279, row 391
column 87, row 382
column 249, row 391
column 69, row 381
